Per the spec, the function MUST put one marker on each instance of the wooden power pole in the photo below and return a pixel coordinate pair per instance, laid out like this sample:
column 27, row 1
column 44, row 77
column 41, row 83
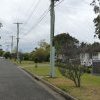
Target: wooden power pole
column 17, row 49
column 52, row 29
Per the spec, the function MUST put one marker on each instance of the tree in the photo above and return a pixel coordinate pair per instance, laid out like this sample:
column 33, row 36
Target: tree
column 73, row 70
column 68, row 47
column 96, row 5
column 7, row 55
column 85, row 48
column 42, row 53
column 26, row 56
column 95, row 47
column 1, row 52
column 44, row 45
column 89, row 48
column 70, row 51
column 65, row 45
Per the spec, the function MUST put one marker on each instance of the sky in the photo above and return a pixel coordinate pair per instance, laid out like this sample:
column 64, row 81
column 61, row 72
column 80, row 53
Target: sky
column 71, row 16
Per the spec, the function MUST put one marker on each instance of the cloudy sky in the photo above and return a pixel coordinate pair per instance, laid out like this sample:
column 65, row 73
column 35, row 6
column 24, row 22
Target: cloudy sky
column 72, row 16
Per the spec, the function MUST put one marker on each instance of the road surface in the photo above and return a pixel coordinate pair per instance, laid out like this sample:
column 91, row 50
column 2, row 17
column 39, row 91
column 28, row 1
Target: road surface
column 15, row 84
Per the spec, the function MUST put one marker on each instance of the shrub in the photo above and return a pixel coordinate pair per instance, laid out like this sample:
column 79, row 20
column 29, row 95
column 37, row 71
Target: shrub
column 72, row 71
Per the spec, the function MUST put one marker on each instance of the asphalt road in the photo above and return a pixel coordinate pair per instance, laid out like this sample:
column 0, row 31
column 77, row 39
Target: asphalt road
column 15, row 84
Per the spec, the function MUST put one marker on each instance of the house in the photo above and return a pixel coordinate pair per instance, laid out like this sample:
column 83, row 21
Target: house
column 87, row 59
column 61, row 58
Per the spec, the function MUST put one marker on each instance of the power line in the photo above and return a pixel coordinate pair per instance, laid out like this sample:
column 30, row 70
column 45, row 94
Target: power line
column 59, row 3
column 42, row 17
column 32, row 11
column 71, row 6
column 5, row 27
column 39, row 20
column 7, row 31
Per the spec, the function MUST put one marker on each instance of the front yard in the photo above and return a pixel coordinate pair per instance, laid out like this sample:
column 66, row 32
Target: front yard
column 89, row 90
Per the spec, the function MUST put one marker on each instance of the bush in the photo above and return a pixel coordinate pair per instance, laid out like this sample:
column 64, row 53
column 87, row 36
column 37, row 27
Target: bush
column 72, row 71
column 87, row 69
column 7, row 55
column 26, row 56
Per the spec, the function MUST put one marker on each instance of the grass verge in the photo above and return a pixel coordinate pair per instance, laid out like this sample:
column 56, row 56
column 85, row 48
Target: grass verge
column 90, row 89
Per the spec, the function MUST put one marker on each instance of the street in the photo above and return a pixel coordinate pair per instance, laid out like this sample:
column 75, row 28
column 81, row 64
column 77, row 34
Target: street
column 15, row 84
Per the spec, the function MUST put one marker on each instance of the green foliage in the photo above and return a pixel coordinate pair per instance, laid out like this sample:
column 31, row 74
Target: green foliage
column 26, row 56
column 90, row 89
column 44, row 45
column 87, row 69
column 1, row 52
column 96, row 5
column 42, row 53
column 89, row 48
column 95, row 47
column 97, row 25
column 65, row 45
column 84, row 47
column 62, row 39
column 7, row 55
column 72, row 70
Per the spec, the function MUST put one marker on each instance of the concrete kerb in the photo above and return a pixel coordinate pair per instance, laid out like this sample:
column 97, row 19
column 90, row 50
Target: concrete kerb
column 67, row 96
column 56, row 89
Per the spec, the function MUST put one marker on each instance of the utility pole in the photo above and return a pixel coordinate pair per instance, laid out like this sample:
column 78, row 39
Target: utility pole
column 99, row 15
column 17, row 50
column 52, row 29
column 0, row 36
column 12, row 38
column 0, row 27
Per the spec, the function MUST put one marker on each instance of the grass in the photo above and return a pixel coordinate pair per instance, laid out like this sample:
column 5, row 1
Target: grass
column 43, row 69
column 90, row 89
column 90, row 79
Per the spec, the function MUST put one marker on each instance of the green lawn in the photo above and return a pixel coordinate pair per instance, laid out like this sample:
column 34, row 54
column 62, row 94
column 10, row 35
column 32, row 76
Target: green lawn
column 90, row 89
column 43, row 69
